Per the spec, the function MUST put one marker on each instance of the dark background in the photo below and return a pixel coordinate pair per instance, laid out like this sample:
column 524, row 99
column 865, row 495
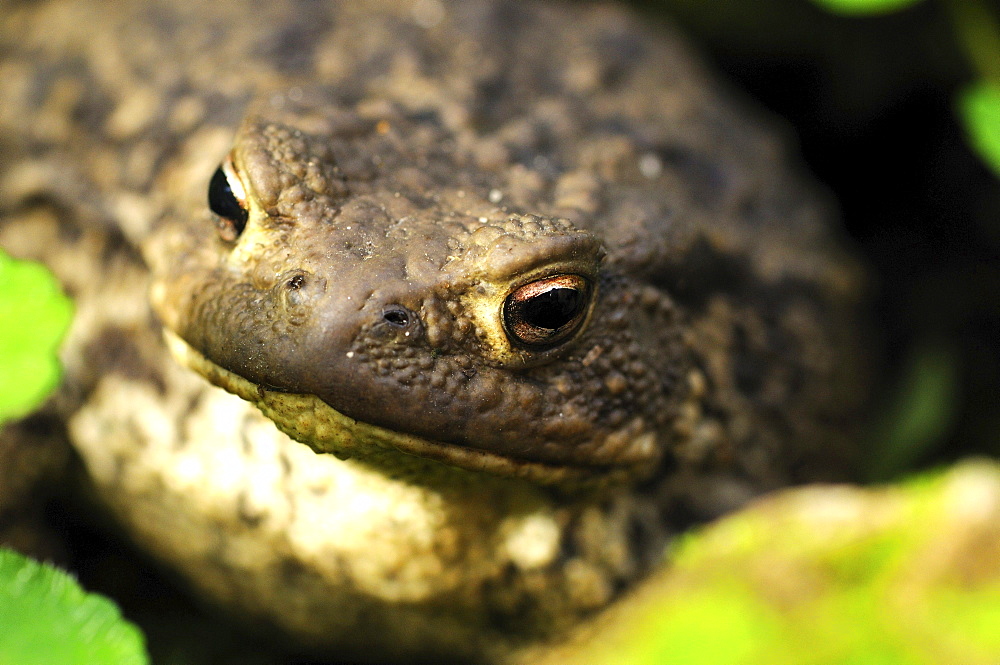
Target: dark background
column 872, row 103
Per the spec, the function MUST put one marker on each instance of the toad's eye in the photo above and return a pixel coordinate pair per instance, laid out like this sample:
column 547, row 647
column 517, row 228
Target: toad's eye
column 227, row 199
column 546, row 312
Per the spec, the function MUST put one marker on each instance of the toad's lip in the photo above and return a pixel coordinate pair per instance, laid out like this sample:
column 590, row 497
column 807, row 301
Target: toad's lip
column 310, row 420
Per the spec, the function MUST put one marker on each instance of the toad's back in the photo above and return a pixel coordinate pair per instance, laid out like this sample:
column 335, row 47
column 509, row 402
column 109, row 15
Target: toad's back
column 531, row 243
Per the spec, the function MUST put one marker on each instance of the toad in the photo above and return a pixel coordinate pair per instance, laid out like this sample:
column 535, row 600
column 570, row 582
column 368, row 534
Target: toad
column 419, row 328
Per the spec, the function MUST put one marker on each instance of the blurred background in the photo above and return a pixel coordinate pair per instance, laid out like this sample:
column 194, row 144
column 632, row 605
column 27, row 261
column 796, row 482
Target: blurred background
column 873, row 100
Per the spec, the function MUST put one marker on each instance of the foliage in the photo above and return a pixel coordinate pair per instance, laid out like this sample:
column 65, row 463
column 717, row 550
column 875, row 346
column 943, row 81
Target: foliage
column 979, row 107
column 918, row 414
column 34, row 315
column 864, row 7
column 48, row 619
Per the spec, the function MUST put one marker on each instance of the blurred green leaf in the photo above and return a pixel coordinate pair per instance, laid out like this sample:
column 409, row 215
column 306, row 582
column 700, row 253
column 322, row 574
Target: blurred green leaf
column 47, row 619
column 919, row 414
column 864, row 7
column 34, row 315
column 979, row 109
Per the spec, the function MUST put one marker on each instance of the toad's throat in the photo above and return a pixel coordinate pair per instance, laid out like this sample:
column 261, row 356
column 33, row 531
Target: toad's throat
column 308, row 419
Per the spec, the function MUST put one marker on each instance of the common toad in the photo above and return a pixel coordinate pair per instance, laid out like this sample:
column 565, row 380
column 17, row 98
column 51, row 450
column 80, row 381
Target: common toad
column 537, row 287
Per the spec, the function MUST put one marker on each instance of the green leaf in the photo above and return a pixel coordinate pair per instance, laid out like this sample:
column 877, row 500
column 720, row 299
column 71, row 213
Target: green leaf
column 864, row 7
column 34, row 315
column 47, row 619
column 979, row 109
column 920, row 413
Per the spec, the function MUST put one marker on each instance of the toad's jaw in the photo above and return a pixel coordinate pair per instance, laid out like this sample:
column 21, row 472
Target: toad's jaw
column 308, row 419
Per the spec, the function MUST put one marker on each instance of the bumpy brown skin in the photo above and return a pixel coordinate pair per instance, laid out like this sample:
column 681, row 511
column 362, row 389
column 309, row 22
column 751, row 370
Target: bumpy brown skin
column 428, row 159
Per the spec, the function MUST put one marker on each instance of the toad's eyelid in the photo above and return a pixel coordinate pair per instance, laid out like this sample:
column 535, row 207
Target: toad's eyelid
column 233, row 178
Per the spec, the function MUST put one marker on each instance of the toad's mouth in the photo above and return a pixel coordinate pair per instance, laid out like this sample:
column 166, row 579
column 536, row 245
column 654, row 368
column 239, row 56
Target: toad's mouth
column 309, row 420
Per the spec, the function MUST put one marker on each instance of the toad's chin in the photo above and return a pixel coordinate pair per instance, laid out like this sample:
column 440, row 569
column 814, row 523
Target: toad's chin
column 310, row 420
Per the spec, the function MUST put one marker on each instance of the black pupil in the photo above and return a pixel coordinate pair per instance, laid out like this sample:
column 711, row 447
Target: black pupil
column 553, row 309
column 223, row 202
column 397, row 317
